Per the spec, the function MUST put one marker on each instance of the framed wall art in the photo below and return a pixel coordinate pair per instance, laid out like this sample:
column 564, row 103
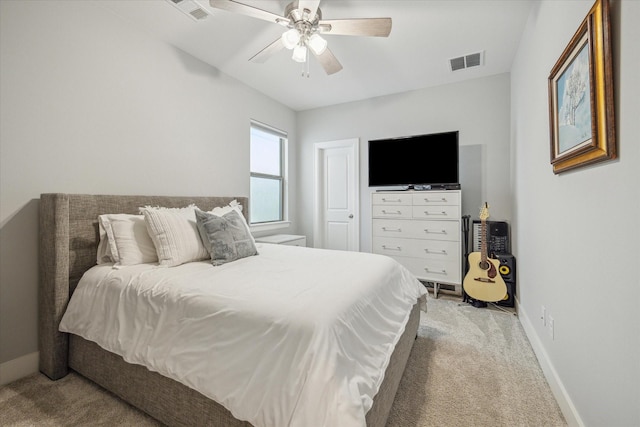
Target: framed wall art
column 581, row 113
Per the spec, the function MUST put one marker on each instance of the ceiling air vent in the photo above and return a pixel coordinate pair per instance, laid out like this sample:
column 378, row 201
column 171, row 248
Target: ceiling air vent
column 467, row 61
column 191, row 8
column 199, row 14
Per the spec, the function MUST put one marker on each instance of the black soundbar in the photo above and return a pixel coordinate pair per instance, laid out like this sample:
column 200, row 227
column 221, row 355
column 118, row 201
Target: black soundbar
column 429, row 187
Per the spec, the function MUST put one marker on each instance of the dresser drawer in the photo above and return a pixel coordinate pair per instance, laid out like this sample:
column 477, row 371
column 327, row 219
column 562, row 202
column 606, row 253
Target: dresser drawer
column 417, row 229
column 394, row 211
column 432, row 270
column 396, row 246
column 391, row 199
column 392, row 228
column 436, row 212
column 439, row 250
column 440, row 230
column 437, row 198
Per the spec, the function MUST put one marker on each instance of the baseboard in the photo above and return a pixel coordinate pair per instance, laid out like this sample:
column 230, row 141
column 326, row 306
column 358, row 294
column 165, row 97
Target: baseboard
column 18, row 368
column 567, row 407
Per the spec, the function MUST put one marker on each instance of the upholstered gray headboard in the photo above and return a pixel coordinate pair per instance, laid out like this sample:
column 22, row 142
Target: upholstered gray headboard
column 68, row 243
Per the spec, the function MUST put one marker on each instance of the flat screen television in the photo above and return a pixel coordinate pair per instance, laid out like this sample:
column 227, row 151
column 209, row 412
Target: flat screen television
column 412, row 161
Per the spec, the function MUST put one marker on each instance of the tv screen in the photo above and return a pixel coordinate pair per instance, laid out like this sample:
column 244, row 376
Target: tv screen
column 414, row 160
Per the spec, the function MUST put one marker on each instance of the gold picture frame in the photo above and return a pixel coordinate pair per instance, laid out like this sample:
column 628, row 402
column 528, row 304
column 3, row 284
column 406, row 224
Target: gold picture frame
column 581, row 113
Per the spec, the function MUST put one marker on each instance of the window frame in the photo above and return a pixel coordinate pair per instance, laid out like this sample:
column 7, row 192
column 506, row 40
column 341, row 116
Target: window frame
column 282, row 178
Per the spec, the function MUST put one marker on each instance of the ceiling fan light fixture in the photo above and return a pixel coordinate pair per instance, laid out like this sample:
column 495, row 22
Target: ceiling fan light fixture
column 317, row 44
column 299, row 53
column 304, row 24
column 291, row 38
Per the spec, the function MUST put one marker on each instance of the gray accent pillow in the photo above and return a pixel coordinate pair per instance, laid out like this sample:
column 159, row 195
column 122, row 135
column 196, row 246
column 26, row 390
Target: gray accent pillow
column 226, row 237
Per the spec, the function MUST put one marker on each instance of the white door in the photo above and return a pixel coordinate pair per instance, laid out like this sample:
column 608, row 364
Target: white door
column 337, row 200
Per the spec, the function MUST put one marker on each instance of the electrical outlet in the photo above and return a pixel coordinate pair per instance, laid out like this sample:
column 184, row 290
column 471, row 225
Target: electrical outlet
column 551, row 326
column 543, row 315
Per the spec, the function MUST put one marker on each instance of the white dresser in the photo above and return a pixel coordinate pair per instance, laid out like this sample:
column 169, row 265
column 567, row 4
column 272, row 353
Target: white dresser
column 421, row 230
column 283, row 239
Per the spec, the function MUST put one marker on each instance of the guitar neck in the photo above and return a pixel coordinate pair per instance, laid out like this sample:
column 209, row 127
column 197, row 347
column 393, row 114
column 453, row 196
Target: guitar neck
column 483, row 241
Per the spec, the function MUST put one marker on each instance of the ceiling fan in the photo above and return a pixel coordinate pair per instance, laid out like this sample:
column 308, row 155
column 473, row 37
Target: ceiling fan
column 303, row 18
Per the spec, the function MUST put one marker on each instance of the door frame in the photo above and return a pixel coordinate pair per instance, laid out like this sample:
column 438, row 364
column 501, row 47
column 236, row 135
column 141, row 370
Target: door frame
column 318, row 147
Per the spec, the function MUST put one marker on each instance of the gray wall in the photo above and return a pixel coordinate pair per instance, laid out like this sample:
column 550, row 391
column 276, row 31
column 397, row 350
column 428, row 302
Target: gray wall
column 90, row 105
column 578, row 235
column 478, row 108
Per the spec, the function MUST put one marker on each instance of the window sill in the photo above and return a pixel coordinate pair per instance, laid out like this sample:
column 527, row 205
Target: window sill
column 268, row 226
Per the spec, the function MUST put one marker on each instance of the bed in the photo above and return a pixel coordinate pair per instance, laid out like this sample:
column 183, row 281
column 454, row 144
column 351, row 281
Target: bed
column 68, row 241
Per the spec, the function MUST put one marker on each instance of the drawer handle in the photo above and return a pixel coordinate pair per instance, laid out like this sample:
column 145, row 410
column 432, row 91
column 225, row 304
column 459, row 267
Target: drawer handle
column 391, row 229
column 435, row 252
column 391, row 213
column 397, row 248
column 426, row 230
column 426, row 199
column 435, row 213
column 443, row 271
column 391, row 200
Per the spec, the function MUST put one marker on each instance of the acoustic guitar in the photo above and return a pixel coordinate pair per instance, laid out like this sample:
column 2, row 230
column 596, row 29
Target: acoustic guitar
column 483, row 281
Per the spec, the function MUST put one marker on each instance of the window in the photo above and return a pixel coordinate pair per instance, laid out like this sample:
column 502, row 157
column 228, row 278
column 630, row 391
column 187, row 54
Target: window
column 268, row 184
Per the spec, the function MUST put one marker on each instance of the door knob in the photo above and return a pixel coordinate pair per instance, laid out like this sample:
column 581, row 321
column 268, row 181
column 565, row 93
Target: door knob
column 350, row 215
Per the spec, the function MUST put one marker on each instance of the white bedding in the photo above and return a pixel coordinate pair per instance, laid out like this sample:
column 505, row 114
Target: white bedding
column 291, row 337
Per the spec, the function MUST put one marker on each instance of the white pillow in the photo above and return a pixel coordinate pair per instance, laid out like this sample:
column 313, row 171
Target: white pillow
column 128, row 240
column 221, row 210
column 109, row 243
column 103, row 255
column 174, row 234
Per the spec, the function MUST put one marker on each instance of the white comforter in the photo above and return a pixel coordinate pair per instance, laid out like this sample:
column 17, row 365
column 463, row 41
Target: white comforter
column 291, row 337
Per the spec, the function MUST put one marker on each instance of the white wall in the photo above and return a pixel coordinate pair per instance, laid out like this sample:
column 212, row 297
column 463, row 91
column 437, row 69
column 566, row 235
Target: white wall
column 578, row 236
column 90, row 105
column 478, row 108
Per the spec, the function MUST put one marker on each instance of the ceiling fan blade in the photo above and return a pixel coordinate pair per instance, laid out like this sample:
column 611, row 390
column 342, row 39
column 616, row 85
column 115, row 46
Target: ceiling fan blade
column 268, row 52
column 329, row 62
column 310, row 5
column 376, row 27
column 254, row 12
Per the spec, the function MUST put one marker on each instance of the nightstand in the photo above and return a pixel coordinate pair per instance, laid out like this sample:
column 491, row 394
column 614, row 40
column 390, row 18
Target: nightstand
column 284, row 239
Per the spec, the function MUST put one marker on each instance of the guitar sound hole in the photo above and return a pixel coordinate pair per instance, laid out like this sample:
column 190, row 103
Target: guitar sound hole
column 484, row 265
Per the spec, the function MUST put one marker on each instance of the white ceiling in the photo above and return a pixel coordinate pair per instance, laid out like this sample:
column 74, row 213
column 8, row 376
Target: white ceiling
column 424, row 36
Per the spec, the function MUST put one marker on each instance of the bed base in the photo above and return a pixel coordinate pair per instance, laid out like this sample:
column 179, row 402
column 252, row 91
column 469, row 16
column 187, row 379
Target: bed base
column 175, row 404
column 68, row 242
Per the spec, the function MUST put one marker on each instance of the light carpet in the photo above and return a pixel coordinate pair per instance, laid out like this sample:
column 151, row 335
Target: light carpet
column 472, row 367
column 468, row 367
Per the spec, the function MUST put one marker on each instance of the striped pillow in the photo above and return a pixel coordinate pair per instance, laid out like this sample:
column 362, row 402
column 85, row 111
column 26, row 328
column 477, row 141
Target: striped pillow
column 174, row 234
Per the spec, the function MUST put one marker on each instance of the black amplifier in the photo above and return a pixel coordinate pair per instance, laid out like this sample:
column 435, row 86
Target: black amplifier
column 497, row 237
